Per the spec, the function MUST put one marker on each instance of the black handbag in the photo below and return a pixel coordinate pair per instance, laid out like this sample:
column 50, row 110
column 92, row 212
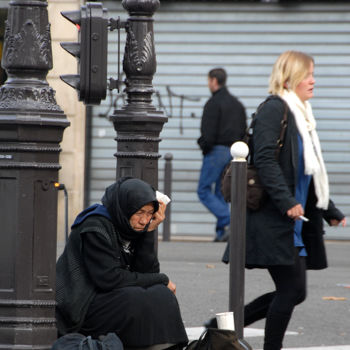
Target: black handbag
column 218, row 339
column 256, row 194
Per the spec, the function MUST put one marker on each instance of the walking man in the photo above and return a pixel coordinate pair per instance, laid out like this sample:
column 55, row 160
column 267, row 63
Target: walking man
column 223, row 123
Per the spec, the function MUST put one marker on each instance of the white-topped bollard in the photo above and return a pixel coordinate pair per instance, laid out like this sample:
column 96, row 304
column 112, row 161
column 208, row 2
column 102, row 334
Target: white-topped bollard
column 239, row 152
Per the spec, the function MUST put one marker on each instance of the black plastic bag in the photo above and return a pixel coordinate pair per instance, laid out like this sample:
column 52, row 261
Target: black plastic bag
column 77, row 341
column 217, row 339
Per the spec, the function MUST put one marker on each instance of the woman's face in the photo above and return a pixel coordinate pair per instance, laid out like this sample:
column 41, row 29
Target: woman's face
column 142, row 217
column 305, row 89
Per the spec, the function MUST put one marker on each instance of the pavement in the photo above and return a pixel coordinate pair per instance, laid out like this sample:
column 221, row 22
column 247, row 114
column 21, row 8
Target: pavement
column 322, row 322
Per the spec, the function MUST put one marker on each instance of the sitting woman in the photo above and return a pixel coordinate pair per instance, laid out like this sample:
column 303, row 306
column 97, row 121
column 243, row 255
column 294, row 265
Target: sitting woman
column 108, row 279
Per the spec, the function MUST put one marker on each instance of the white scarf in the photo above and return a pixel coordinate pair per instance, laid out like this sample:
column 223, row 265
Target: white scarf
column 313, row 160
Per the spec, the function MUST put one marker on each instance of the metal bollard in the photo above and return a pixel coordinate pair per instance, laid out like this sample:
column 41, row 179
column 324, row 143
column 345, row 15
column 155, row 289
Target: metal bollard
column 239, row 151
column 167, row 190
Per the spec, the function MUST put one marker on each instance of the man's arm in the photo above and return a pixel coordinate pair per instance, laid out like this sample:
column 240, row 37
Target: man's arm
column 209, row 126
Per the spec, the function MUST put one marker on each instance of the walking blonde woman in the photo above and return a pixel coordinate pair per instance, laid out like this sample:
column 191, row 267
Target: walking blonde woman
column 278, row 237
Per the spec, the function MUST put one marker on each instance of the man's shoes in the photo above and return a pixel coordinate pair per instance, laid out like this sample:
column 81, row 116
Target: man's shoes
column 225, row 236
column 219, row 239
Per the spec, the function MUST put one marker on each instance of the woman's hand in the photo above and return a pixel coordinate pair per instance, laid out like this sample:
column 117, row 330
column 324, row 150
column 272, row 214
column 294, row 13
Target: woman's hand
column 295, row 212
column 335, row 222
column 172, row 286
column 158, row 217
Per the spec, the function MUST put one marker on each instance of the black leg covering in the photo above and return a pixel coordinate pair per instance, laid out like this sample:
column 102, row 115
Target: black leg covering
column 275, row 327
column 257, row 309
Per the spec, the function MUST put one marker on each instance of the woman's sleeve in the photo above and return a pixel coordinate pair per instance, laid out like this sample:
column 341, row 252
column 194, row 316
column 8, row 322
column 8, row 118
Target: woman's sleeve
column 209, row 126
column 266, row 132
column 145, row 259
column 105, row 269
column 332, row 213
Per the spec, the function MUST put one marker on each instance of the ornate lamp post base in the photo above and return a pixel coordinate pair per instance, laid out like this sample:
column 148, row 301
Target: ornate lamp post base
column 31, row 128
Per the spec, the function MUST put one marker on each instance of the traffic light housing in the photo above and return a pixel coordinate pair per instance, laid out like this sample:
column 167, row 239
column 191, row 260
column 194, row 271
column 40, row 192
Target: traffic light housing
column 91, row 52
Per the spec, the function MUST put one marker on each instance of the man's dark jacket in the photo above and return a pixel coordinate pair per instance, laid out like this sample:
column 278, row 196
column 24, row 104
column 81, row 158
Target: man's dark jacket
column 270, row 232
column 223, row 121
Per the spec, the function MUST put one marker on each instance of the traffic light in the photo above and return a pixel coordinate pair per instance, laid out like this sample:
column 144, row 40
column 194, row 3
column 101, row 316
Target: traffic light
column 91, row 52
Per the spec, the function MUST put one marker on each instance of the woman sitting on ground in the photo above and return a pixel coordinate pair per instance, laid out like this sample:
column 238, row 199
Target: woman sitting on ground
column 108, row 277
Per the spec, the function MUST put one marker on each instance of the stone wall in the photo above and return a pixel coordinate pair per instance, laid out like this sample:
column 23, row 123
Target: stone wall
column 73, row 145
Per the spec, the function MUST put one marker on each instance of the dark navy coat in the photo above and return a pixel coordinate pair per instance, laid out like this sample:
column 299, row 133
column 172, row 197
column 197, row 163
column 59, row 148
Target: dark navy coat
column 270, row 232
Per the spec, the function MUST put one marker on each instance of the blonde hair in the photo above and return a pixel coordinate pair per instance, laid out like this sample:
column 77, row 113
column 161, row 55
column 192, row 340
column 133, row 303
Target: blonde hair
column 288, row 71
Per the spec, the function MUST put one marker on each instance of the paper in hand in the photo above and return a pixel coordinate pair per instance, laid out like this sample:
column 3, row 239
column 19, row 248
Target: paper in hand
column 162, row 197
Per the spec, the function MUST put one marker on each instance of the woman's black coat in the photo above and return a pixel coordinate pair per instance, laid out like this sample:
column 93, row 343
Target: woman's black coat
column 270, row 232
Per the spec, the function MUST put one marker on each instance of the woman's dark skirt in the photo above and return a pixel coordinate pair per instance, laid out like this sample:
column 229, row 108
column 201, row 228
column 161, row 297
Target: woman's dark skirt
column 139, row 316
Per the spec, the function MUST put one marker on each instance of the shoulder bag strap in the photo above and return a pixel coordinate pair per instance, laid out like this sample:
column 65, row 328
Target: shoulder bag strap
column 284, row 123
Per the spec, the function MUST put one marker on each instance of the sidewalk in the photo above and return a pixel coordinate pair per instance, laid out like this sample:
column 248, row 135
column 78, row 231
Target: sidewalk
column 203, row 287
column 203, row 290
column 195, row 332
column 332, row 233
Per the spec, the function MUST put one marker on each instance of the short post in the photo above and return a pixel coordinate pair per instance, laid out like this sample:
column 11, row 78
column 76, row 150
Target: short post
column 239, row 151
column 167, row 190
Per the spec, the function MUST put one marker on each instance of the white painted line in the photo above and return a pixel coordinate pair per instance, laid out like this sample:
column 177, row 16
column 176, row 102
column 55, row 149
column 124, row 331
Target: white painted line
column 194, row 333
column 255, row 332
column 331, row 347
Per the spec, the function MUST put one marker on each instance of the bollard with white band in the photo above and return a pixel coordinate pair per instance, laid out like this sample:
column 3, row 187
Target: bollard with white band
column 239, row 152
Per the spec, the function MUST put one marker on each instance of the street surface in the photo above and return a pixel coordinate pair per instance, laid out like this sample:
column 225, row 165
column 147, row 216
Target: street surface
column 203, row 290
column 319, row 323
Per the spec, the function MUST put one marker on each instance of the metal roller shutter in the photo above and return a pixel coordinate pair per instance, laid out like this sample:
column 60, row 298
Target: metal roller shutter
column 245, row 39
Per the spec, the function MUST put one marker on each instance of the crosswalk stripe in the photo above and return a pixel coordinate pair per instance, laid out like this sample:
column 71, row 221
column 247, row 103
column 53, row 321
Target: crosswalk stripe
column 330, row 347
column 194, row 333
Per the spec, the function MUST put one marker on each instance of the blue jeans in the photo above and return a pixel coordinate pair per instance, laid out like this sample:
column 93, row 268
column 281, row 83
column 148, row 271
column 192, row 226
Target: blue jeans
column 213, row 164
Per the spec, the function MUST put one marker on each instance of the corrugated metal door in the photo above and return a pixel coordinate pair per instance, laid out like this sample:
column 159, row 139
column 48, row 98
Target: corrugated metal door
column 245, row 39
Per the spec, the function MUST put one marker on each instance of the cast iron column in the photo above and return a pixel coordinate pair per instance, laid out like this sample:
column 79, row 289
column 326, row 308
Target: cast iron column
column 31, row 128
column 138, row 123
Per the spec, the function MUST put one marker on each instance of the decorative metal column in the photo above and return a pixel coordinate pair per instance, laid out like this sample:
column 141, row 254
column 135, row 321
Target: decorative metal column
column 31, row 128
column 138, row 123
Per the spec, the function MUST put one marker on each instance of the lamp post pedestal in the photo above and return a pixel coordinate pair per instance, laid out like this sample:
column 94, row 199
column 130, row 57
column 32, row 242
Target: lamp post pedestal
column 31, row 128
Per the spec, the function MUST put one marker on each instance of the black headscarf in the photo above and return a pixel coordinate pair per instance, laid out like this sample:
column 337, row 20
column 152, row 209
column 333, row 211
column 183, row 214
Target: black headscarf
column 123, row 199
